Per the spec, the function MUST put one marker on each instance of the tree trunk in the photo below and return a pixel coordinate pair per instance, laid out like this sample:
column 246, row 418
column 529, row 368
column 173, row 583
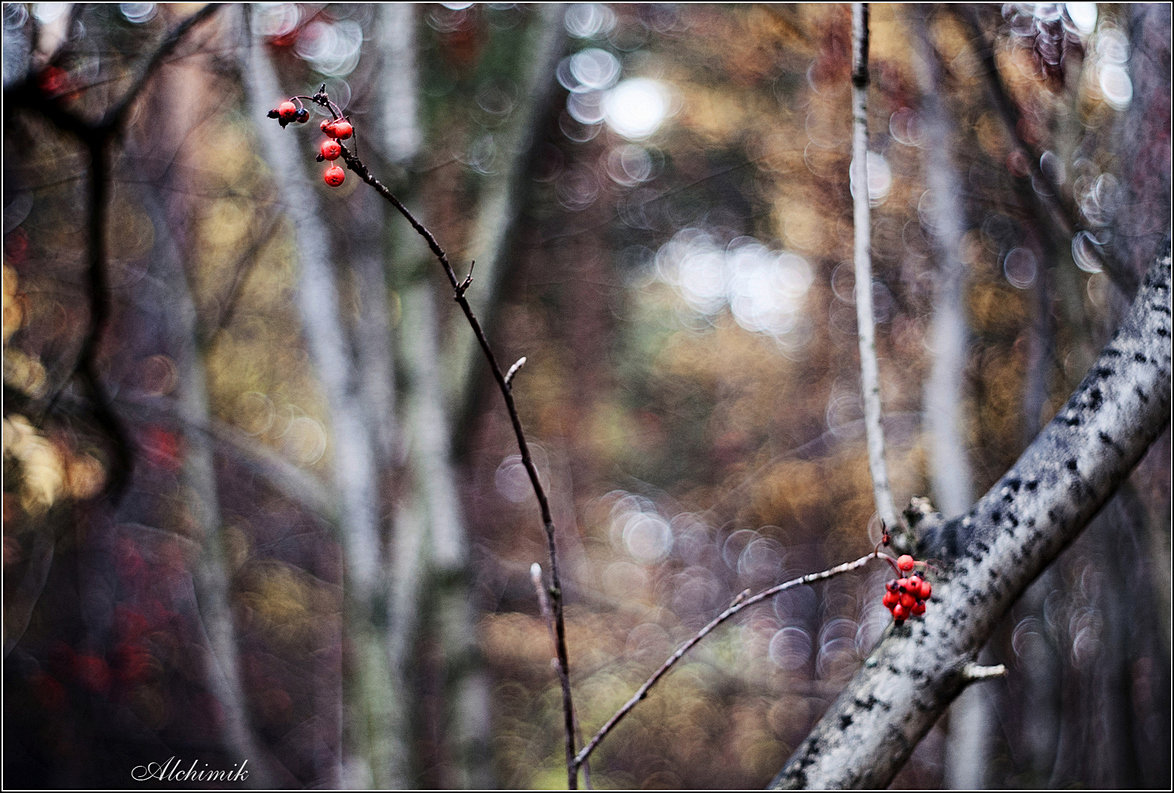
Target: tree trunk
column 986, row 558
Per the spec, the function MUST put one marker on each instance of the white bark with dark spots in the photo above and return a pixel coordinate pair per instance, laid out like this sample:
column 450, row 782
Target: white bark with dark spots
column 987, row 557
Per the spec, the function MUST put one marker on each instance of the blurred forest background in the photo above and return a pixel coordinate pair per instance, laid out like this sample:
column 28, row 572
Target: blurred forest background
column 319, row 558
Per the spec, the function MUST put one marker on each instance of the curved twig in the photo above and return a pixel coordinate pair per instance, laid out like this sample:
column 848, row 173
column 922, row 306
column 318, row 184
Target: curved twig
column 459, row 288
column 743, row 600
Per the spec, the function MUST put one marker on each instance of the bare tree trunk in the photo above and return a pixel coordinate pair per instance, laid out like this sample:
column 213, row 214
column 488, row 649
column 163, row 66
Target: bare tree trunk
column 944, row 397
column 211, row 578
column 400, row 125
column 989, row 556
column 176, row 95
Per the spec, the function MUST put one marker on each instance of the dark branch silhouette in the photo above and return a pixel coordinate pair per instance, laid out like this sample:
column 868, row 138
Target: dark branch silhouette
column 99, row 137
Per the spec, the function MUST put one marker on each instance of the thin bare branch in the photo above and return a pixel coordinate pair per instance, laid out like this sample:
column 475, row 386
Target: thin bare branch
column 98, row 137
column 116, row 116
column 869, row 371
column 459, row 288
column 743, row 600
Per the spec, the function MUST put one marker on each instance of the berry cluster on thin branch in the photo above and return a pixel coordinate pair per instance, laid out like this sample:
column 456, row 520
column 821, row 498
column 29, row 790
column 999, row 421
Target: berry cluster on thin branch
column 339, row 128
column 904, row 596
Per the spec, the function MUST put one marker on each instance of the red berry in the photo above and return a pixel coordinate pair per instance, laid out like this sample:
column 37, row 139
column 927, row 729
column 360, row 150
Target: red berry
column 926, row 590
column 905, row 563
column 330, row 149
column 890, row 599
column 907, row 600
column 326, row 124
column 900, row 612
column 334, row 176
column 287, row 110
column 341, row 129
column 919, row 608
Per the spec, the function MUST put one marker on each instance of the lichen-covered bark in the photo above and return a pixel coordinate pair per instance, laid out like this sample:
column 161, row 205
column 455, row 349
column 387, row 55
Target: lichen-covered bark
column 987, row 557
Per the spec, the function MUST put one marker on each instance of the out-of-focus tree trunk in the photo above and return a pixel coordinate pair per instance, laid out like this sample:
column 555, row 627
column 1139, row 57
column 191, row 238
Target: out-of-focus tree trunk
column 176, row 100
column 944, row 394
column 444, row 612
column 374, row 755
column 431, row 582
column 1143, row 217
column 1041, row 668
column 968, row 746
column 1139, row 226
column 399, row 125
column 432, row 544
column 495, row 230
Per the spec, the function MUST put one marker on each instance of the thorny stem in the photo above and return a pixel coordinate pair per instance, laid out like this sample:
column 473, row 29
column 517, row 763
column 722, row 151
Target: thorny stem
column 459, row 287
column 742, row 601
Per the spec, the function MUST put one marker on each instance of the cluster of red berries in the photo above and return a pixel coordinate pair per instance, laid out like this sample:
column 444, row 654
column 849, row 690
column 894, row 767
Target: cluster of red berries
column 288, row 112
column 336, row 129
column 905, row 597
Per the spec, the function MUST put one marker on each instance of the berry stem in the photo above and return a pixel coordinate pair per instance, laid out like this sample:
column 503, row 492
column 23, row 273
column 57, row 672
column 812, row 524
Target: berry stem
column 356, row 165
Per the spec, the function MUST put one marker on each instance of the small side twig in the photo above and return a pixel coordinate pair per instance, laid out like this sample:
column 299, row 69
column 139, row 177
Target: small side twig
column 742, row 600
column 518, row 364
column 973, row 673
column 464, row 285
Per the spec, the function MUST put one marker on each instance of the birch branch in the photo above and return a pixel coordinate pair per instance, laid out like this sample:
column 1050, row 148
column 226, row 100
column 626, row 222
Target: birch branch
column 988, row 557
